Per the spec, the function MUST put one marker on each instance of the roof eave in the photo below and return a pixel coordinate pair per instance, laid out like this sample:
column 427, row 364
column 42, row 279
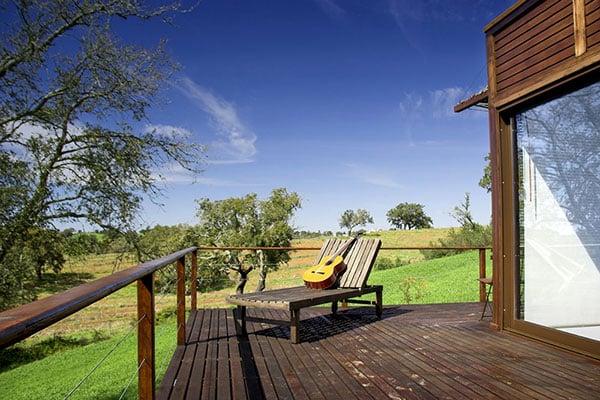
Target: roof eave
column 477, row 100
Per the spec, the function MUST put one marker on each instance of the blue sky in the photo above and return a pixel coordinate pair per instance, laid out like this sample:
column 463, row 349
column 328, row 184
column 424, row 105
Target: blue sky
column 346, row 102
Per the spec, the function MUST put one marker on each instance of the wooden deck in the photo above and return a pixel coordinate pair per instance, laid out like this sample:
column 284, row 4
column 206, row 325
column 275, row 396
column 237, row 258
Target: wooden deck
column 413, row 352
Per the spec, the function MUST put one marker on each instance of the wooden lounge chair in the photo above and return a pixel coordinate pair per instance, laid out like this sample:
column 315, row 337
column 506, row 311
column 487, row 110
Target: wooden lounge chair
column 351, row 284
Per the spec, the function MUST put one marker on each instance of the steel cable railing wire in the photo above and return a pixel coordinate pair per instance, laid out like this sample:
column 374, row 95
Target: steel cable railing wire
column 164, row 329
column 166, row 290
column 136, row 373
column 103, row 359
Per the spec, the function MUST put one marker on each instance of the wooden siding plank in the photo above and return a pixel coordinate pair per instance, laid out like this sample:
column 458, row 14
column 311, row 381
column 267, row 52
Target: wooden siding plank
column 513, row 61
column 538, row 75
column 592, row 22
column 543, row 43
column 520, row 30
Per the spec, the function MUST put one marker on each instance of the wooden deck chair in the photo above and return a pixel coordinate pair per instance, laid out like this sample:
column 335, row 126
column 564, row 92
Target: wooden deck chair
column 351, row 284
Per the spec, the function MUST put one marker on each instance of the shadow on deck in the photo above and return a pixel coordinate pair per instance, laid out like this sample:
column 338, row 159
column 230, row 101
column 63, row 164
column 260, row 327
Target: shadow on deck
column 437, row 351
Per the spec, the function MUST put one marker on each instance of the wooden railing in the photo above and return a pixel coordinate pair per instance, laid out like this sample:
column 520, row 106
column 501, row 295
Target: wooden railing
column 482, row 255
column 21, row 322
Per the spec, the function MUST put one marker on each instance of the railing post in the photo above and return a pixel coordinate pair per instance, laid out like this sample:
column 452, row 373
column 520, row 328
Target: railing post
column 194, row 278
column 482, row 274
column 181, row 301
column 146, row 357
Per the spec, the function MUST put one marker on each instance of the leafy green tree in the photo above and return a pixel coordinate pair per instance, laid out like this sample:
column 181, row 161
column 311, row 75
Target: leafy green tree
column 486, row 180
column 247, row 222
column 161, row 240
column 350, row 219
column 83, row 244
column 73, row 96
column 462, row 214
column 409, row 216
column 470, row 232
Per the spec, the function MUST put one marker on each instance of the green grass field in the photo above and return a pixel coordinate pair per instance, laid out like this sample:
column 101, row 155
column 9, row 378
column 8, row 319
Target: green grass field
column 63, row 361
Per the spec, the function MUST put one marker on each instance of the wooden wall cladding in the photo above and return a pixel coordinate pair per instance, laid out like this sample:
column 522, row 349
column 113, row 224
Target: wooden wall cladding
column 592, row 23
column 540, row 40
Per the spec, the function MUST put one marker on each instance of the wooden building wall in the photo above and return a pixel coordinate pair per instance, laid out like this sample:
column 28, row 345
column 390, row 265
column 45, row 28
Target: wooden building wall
column 536, row 49
column 538, row 43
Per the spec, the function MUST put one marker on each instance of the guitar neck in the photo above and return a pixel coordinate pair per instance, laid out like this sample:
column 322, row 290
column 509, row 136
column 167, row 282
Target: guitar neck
column 342, row 249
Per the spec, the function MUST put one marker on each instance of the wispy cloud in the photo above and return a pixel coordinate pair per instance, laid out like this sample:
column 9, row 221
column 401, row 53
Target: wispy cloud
column 418, row 111
column 432, row 11
column 444, row 100
column 176, row 174
column 411, row 106
column 372, row 176
column 173, row 132
column 331, row 8
column 237, row 142
column 436, row 104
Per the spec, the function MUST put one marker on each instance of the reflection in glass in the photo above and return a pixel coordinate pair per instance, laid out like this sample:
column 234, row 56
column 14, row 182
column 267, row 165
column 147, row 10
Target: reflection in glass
column 558, row 149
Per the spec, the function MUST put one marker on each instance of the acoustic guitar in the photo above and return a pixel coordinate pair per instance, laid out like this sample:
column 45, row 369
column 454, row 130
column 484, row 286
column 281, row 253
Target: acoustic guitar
column 325, row 273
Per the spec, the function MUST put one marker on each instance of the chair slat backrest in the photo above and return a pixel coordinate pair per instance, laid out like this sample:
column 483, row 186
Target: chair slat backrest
column 359, row 260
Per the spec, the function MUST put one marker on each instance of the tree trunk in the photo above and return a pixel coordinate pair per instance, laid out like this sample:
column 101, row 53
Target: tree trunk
column 262, row 272
column 243, row 278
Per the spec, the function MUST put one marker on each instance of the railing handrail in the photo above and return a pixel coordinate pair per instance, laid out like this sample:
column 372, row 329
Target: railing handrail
column 292, row 248
column 21, row 322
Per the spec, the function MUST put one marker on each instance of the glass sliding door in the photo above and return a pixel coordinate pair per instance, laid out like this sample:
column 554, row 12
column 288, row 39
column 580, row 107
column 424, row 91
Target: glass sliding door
column 558, row 171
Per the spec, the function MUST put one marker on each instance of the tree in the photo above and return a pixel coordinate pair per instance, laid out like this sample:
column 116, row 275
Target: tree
column 247, row 222
column 470, row 233
column 462, row 214
column 486, row 180
column 409, row 216
column 350, row 219
column 72, row 99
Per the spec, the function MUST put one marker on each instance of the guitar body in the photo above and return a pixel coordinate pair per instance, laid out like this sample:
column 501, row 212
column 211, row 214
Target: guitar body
column 325, row 273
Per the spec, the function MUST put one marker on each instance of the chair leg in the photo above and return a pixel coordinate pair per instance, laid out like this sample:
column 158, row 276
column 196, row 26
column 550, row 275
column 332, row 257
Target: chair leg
column 240, row 321
column 379, row 302
column 487, row 302
column 294, row 325
column 334, row 307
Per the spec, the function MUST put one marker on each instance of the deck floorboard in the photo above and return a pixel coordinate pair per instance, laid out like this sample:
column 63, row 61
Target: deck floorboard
column 440, row 351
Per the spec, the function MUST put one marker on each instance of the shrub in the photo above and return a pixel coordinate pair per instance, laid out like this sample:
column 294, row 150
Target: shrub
column 475, row 235
column 381, row 264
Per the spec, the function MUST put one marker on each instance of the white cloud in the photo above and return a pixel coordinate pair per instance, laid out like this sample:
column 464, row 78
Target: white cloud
column 237, row 141
column 436, row 104
column 411, row 106
column 176, row 174
column 432, row 11
column 330, row 8
column 372, row 176
column 444, row 100
column 168, row 131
